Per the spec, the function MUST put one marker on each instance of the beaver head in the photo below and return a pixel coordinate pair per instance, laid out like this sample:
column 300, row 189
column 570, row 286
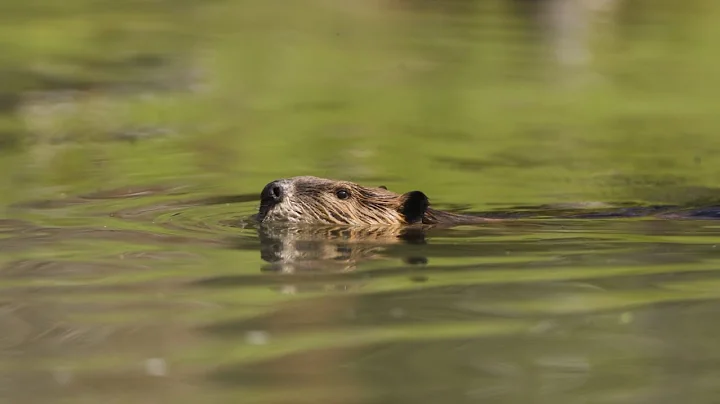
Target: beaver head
column 318, row 200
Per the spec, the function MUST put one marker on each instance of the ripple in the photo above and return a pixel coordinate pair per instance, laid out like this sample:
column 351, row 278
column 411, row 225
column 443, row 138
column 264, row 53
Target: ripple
column 217, row 215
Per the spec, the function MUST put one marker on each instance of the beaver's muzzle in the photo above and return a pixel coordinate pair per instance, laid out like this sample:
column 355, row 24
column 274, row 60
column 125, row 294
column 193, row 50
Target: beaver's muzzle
column 270, row 196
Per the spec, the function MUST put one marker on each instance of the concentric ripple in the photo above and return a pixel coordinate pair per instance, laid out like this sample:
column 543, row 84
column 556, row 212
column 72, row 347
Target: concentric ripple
column 219, row 215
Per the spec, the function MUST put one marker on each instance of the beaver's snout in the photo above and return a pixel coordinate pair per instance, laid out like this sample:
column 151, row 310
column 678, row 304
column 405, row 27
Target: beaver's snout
column 271, row 195
column 273, row 192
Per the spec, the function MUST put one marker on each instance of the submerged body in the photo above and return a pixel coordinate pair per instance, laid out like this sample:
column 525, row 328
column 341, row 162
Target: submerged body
column 315, row 200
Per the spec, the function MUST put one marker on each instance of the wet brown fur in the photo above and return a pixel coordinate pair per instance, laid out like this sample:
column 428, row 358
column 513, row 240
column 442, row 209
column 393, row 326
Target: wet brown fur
column 315, row 200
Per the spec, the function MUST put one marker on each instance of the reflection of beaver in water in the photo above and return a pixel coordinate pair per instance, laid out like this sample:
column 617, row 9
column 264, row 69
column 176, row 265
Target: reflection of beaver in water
column 323, row 201
column 336, row 248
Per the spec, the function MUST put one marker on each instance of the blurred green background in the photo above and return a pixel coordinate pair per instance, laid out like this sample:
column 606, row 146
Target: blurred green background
column 464, row 99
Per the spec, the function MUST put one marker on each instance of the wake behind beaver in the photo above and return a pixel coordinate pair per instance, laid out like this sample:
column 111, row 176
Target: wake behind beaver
column 314, row 200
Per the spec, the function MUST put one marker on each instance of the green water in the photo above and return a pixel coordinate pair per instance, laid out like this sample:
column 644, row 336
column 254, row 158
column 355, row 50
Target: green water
column 135, row 138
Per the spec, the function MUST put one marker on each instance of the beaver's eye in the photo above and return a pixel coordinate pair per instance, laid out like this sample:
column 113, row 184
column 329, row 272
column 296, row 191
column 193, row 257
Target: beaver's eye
column 342, row 193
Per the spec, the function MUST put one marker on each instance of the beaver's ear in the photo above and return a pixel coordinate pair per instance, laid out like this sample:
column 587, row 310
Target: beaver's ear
column 382, row 187
column 414, row 205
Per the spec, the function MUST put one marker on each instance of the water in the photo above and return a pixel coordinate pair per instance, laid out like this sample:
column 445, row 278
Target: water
column 136, row 139
column 564, row 310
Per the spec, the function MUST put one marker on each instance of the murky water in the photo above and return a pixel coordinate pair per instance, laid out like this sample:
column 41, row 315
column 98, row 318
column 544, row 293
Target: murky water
column 184, row 299
column 136, row 139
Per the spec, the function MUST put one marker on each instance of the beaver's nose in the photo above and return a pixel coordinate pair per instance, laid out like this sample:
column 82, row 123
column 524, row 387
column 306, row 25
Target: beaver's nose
column 272, row 192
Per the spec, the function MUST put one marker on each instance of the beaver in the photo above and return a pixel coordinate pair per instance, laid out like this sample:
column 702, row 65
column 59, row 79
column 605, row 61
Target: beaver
column 314, row 200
